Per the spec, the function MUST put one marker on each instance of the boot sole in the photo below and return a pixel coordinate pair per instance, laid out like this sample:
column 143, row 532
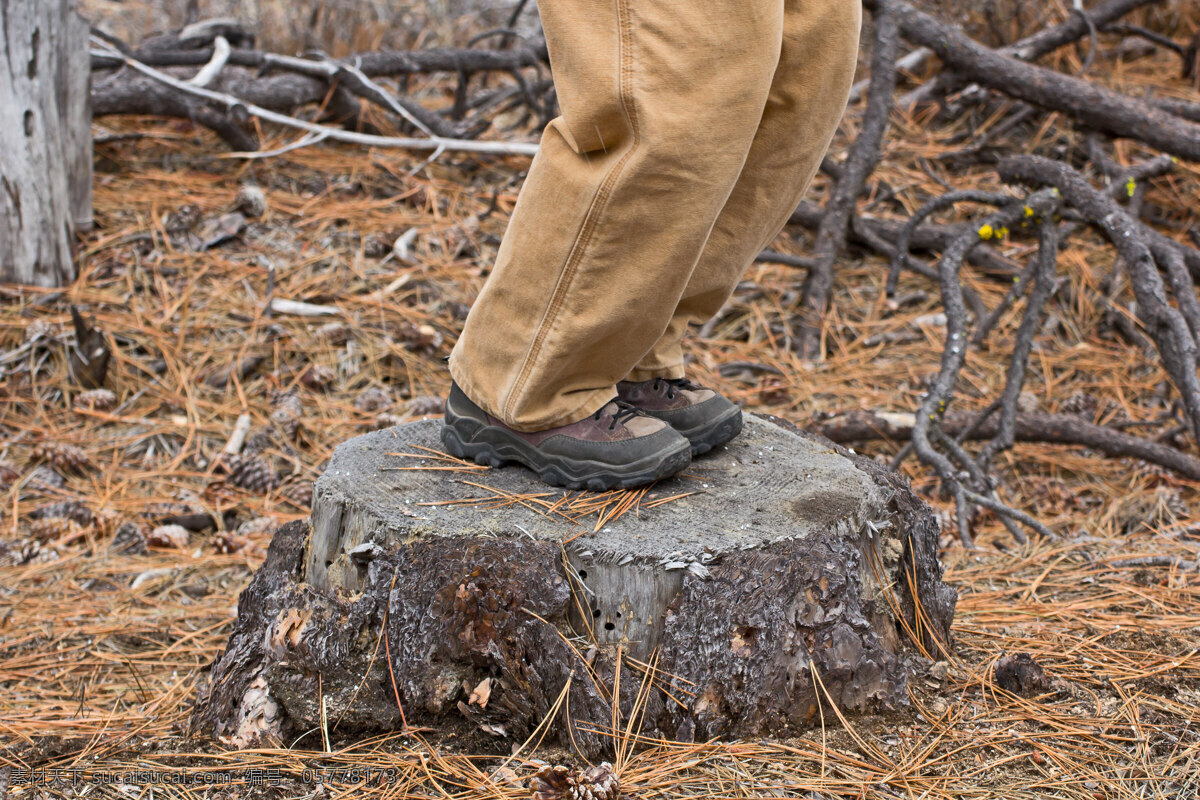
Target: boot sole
column 715, row 434
column 489, row 445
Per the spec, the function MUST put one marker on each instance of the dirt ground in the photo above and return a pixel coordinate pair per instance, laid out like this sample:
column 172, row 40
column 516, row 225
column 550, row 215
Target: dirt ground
column 108, row 616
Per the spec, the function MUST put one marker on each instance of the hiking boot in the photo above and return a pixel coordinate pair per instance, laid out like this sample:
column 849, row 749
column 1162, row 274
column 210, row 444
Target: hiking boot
column 705, row 418
column 619, row 446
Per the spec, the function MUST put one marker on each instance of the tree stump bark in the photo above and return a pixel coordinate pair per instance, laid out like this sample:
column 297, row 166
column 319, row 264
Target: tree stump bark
column 796, row 574
column 46, row 138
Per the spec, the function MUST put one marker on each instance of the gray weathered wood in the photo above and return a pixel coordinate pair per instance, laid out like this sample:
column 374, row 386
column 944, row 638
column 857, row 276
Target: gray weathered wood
column 794, row 558
column 45, row 139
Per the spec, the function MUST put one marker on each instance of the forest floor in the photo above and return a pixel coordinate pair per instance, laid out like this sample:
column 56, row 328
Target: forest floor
column 107, row 618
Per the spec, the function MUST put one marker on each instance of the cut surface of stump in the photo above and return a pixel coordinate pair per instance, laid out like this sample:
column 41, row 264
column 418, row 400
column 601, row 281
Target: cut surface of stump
column 772, row 577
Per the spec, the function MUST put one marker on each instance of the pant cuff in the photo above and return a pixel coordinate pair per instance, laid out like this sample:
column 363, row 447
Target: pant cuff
column 641, row 373
column 552, row 417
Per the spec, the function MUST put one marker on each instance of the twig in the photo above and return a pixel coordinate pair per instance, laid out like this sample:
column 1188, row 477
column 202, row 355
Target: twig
column 1043, row 285
column 213, row 68
column 307, row 140
column 280, row 305
column 1039, row 206
column 238, row 437
column 799, row 262
column 909, row 63
column 1149, row 35
column 900, row 260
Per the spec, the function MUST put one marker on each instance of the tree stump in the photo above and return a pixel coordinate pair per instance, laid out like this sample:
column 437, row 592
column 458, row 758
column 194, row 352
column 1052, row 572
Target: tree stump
column 792, row 574
column 46, row 138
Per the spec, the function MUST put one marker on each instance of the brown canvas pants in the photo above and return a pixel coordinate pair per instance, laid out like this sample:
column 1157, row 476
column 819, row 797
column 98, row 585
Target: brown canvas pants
column 690, row 129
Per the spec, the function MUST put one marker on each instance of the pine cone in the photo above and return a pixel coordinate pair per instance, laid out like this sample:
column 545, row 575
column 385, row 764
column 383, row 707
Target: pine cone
column 318, row 377
column 1081, row 404
column 298, row 492
column 183, row 218
column 375, row 246
column 1164, row 507
column 160, row 511
column 569, row 783
column 1115, row 412
column 24, row 552
column 373, row 399
column 551, row 783
column 68, row 509
column 250, row 471
column 387, row 420
column 130, row 539
column 287, row 414
column 8, row 475
column 169, row 536
column 96, row 400
column 419, row 338
column 336, row 333
column 51, row 528
column 225, row 542
column 256, row 526
column 65, row 457
column 44, row 478
column 250, row 200
column 424, row 406
column 38, row 329
column 258, row 441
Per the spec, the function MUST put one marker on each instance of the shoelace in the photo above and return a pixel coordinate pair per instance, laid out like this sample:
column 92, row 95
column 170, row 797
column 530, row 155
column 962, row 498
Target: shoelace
column 675, row 385
column 624, row 411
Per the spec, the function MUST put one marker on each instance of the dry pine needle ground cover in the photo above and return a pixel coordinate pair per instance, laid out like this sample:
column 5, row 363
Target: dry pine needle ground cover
column 126, row 539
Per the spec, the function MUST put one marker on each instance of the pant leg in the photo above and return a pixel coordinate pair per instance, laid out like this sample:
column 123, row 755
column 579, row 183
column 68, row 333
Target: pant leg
column 807, row 99
column 660, row 103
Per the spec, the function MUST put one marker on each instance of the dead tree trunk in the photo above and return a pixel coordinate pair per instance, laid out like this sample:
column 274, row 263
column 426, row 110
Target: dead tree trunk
column 45, row 138
column 791, row 575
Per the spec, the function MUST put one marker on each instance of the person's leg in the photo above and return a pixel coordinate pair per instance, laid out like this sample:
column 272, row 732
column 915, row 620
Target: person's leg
column 660, row 103
column 807, row 99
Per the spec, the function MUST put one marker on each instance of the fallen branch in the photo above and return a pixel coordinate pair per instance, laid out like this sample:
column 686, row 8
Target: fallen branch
column 1165, row 324
column 285, row 83
column 861, row 162
column 1042, row 43
column 1095, row 106
column 866, row 426
column 375, row 64
column 236, row 105
column 965, row 477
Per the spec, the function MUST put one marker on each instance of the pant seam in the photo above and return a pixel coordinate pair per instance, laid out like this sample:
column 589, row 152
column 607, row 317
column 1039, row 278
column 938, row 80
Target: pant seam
column 598, row 204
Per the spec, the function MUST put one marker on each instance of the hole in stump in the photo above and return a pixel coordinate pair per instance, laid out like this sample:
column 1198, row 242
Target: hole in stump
column 33, row 45
column 595, row 613
column 745, row 636
column 583, row 574
column 608, row 626
column 29, row 123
